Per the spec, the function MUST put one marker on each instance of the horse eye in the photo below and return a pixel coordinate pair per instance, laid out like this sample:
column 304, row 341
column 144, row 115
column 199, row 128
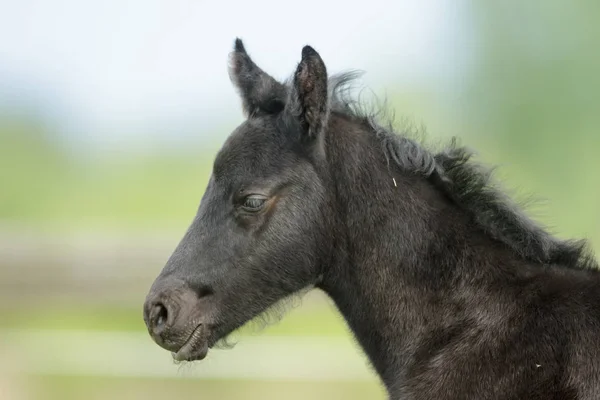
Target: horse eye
column 254, row 203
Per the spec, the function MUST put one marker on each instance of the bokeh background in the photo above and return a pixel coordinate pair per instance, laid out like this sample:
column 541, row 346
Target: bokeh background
column 111, row 113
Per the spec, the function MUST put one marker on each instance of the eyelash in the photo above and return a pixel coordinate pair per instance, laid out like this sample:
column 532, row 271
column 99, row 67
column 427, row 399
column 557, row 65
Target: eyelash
column 253, row 203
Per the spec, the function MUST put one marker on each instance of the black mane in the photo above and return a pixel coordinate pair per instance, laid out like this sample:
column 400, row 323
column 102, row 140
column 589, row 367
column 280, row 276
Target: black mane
column 467, row 183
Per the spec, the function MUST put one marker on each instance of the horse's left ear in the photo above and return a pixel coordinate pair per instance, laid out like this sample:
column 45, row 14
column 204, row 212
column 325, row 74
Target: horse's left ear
column 308, row 98
column 260, row 92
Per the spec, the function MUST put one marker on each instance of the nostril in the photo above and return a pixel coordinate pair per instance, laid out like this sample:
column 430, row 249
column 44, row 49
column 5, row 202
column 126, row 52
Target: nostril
column 158, row 317
column 162, row 316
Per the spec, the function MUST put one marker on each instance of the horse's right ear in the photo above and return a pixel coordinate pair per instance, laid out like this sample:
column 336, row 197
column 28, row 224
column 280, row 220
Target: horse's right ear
column 309, row 98
column 260, row 92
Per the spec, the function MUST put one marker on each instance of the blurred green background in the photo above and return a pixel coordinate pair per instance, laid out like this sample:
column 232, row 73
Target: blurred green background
column 90, row 210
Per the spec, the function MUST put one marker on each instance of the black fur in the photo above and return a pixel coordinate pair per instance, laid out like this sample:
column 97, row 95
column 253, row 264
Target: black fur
column 452, row 292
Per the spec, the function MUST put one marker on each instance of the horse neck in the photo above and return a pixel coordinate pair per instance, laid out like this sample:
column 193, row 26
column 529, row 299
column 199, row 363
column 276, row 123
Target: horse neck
column 402, row 252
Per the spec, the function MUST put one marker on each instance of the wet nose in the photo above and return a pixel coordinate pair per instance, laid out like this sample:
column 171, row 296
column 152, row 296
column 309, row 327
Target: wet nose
column 156, row 316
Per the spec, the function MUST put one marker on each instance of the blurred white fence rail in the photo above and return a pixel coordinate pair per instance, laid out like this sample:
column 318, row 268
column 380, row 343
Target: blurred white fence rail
column 111, row 267
column 127, row 354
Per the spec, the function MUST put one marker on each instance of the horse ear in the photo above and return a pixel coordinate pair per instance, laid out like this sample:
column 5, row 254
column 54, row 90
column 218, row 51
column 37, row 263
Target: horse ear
column 258, row 90
column 308, row 97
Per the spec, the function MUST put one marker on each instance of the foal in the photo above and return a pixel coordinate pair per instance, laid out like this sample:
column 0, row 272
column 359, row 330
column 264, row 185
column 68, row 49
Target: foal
column 451, row 291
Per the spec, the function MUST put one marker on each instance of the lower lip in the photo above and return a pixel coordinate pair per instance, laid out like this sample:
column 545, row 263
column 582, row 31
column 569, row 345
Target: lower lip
column 188, row 352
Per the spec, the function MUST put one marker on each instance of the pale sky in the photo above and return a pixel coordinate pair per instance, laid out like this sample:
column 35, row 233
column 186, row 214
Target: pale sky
column 116, row 67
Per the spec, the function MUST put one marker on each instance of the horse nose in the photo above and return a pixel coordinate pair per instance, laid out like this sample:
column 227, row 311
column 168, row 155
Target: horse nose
column 156, row 316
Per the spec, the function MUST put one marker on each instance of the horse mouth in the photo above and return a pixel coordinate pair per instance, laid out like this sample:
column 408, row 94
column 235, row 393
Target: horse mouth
column 195, row 347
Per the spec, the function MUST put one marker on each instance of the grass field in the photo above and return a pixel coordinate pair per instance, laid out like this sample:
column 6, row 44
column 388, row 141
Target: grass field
column 93, row 388
column 69, row 352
